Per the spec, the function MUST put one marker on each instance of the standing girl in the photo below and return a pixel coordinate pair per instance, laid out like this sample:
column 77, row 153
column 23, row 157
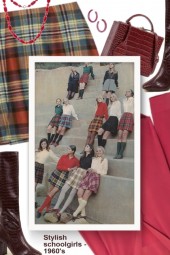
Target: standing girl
column 91, row 181
column 53, row 125
column 110, row 126
column 126, row 123
column 41, row 157
column 87, row 69
column 110, row 82
column 72, row 183
column 65, row 121
column 73, row 83
column 59, row 176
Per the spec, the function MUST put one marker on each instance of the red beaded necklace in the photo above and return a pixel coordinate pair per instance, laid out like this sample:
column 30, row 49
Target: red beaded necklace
column 15, row 35
column 24, row 6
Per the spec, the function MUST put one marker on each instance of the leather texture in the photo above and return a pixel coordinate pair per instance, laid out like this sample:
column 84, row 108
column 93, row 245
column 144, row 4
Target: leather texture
column 161, row 81
column 127, row 40
column 11, row 234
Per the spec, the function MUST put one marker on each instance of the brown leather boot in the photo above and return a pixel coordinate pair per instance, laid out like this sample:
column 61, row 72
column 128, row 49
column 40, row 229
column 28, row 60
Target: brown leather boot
column 11, row 234
column 161, row 81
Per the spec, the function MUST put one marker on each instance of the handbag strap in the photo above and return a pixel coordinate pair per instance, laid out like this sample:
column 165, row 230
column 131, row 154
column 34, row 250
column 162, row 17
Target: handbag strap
column 141, row 15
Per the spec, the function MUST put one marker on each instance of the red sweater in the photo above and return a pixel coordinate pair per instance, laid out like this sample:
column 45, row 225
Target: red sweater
column 102, row 110
column 65, row 162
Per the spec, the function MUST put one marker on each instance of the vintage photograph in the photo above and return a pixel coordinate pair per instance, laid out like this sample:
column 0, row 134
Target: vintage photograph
column 85, row 143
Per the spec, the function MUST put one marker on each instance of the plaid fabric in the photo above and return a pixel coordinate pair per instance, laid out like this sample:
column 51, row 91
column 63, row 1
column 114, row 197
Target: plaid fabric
column 66, row 121
column 126, row 122
column 90, row 182
column 75, row 177
column 39, row 172
column 54, row 121
column 84, row 78
column 58, row 178
column 95, row 124
column 66, row 33
column 111, row 125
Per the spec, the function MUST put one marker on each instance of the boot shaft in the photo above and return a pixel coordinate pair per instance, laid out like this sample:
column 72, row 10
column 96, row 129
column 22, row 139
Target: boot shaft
column 9, row 188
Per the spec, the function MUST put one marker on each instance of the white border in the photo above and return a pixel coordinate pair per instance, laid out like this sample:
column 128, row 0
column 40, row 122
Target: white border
column 136, row 225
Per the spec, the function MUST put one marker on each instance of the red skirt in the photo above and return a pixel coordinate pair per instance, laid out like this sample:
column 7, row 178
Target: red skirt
column 126, row 122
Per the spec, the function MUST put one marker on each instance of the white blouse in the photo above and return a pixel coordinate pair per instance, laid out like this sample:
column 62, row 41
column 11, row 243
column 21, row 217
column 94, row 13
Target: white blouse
column 99, row 166
column 69, row 110
column 128, row 105
column 115, row 109
column 42, row 156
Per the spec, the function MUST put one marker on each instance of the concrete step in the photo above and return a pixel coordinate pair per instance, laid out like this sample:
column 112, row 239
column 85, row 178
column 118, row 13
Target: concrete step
column 113, row 204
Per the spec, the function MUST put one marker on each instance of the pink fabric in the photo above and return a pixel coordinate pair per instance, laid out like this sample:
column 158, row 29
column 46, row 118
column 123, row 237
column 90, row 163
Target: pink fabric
column 95, row 242
column 160, row 107
column 154, row 237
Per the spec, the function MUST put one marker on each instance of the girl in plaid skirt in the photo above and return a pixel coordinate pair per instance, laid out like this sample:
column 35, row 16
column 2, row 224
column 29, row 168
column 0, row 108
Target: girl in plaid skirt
column 53, row 125
column 65, row 121
column 59, row 176
column 91, row 181
column 126, row 123
column 110, row 82
column 71, row 184
column 41, row 157
column 96, row 123
column 87, row 70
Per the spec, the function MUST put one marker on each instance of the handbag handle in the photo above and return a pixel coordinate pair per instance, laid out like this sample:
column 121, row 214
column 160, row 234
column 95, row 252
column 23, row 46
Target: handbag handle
column 141, row 15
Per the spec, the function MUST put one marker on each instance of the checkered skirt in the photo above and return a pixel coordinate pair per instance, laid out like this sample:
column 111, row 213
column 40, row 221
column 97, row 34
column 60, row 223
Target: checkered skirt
column 126, row 122
column 39, row 172
column 75, row 177
column 65, row 121
column 84, row 78
column 66, row 34
column 90, row 182
column 95, row 124
column 58, row 178
column 54, row 122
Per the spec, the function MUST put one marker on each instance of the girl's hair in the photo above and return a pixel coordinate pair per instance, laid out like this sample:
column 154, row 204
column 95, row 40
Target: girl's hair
column 114, row 70
column 41, row 141
column 65, row 99
column 73, row 148
column 132, row 92
column 91, row 152
column 58, row 99
column 103, row 150
column 114, row 96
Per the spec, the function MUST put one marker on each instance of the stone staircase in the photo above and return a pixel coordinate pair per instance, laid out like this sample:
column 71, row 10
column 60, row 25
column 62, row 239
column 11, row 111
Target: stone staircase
column 114, row 202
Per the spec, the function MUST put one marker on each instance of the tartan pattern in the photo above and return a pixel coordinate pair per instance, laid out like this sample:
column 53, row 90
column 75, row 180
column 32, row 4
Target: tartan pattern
column 95, row 124
column 84, row 78
column 66, row 121
column 126, row 122
column 90, row 182
column 39, row 172
column 58, row 178
column 66, row 34
column 75, row 177
column 54, row 122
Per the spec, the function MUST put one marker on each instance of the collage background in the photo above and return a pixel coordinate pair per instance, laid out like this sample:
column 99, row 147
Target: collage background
column 109, row 10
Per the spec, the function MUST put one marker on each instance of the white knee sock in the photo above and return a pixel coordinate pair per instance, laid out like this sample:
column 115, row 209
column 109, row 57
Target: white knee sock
column 69, row 200
column 82, row 204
